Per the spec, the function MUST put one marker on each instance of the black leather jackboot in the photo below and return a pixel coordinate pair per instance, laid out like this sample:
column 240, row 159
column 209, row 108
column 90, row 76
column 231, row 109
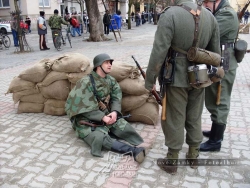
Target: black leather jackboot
column 137, row 152
column 215, row 138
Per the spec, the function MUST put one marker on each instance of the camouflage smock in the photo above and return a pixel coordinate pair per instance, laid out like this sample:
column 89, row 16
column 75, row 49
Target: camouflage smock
column 55, row 22
column 82, row 103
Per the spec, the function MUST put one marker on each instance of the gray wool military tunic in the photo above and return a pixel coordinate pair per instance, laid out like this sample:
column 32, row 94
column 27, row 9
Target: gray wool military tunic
column 228, row 24
column 184, row 103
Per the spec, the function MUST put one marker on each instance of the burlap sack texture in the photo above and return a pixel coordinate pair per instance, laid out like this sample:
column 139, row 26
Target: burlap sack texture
column 45, row 87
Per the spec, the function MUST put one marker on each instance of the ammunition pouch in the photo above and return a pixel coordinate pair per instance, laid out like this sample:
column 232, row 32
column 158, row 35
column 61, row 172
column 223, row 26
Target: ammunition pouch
column 202, row 56
column 240, row 48
column 168, row 69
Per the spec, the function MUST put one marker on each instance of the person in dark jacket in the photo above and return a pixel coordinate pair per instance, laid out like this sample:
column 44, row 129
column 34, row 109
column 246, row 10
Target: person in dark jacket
column 106, row 22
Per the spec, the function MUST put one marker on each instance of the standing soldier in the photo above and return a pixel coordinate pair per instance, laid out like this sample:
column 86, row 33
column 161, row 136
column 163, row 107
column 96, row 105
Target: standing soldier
column 228, row 25
column 185, row 103
column 55, row 22
column 94, row 108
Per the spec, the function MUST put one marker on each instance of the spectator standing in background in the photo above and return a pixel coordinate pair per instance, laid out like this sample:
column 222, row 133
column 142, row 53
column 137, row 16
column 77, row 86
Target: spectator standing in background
column 28, row 22
column 106, row 22
column 246, row 15
column 42, row 31
column 13, row 25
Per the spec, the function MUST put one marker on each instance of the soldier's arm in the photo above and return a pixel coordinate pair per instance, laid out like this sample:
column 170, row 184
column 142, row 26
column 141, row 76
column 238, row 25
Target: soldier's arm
column 64, row 22
column 95, row 115
column 115, row 98
column 162, row 42
column 49, row 22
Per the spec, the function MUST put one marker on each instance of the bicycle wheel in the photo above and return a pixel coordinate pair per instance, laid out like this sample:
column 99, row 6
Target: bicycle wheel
column 124, row 25
column 57, row 42
column 6, row 41
column 69, row 39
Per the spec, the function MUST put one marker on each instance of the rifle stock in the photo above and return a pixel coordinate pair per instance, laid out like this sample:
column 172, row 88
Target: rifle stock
column 156, row 95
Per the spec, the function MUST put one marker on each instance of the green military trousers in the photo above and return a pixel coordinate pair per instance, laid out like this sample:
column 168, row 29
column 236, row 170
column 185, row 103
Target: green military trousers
column 100, row 137
column 219, row 113
column 184, row 109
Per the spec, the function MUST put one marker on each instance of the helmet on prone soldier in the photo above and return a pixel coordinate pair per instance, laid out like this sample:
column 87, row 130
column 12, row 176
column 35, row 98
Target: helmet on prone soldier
column 99, row 59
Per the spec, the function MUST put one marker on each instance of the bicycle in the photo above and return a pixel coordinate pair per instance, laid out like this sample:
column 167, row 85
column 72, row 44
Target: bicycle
column 5, row 40
column 58, row 37
column 124, row 24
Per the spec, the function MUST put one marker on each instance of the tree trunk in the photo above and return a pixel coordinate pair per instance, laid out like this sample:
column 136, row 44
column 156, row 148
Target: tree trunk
column 19, row 30
column 129, row 14
column 95, row 22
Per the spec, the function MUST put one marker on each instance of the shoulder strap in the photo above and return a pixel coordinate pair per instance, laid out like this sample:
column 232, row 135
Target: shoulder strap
column 196, row 16
column 93, row 84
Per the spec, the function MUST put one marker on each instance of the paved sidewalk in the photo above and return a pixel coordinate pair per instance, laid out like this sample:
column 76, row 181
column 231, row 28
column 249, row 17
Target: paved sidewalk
column 38, row 150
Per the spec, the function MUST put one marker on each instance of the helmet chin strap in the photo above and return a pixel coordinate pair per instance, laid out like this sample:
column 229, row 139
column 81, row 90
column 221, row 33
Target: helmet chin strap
column 103, row 70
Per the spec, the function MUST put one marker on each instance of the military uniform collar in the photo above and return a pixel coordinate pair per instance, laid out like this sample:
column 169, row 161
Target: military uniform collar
column 97, row 75
column 179, row 2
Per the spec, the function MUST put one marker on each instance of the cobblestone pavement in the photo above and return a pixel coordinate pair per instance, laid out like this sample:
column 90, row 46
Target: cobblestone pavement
column 38, row 150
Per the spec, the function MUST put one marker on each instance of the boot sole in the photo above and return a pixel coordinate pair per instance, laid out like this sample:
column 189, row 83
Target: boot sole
column 172, row 170
column 210, row 150
column 140, row 157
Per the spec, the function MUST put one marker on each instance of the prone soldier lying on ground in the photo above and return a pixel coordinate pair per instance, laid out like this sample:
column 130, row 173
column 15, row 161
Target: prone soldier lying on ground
column 94, row 108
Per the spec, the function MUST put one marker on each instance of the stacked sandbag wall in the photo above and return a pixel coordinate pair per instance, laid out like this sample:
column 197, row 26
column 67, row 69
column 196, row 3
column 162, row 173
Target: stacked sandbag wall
column 136, row 100
column 45, row 86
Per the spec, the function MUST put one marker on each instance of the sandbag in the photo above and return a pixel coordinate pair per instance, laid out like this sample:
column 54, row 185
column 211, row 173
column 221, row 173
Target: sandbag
column 131, row 102
column 74, row 77
column 17, row 95
column 133, row 86
column 54, row 107
column 34, row 98
column 26, row 107
column 120, row 71
column 148, row 113
column 36, row 73
column 73, row 62
column 52, row 77
column 57, row 90
column 17, row 84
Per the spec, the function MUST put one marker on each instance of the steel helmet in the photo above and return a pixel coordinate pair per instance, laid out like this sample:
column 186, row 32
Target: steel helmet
column 99, row 59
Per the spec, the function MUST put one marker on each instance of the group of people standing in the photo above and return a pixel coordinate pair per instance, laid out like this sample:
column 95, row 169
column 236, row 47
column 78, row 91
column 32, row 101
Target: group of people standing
column 216, row 31
column 55, row 22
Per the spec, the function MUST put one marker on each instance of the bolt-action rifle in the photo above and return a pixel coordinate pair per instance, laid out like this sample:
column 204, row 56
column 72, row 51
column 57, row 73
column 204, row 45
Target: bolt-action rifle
column 156, row 95
column 242, row 12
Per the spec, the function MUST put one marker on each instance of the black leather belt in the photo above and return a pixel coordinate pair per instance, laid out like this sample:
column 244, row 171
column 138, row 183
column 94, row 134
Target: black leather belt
column 228, row 45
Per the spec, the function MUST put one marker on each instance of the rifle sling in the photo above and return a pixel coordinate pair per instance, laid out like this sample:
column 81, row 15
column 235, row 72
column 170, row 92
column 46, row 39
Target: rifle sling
column 93, row 84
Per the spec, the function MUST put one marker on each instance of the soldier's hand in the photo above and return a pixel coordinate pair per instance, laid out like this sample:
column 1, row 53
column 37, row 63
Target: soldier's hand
column 106, row 119
column 113, row 117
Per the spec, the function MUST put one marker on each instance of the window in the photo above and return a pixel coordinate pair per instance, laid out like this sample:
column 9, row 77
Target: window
column 44, row 3
column 4, row 3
